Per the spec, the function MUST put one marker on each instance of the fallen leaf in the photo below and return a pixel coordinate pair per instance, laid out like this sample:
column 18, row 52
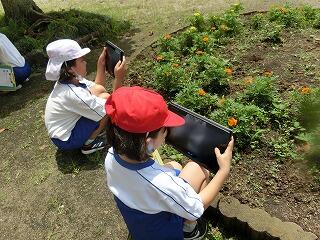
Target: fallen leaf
column 2, row 129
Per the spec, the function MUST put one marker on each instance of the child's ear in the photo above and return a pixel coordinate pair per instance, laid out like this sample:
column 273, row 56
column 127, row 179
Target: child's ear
column 149, row 140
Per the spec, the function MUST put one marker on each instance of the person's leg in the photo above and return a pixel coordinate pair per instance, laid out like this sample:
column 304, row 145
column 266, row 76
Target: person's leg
column 174, row 165
column 21, row 73
column 101, row 128
column 195, row 175
column 198, row 178
column 99, row 91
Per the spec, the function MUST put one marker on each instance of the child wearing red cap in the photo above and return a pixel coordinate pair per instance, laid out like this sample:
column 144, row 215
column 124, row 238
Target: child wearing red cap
column 157, row 202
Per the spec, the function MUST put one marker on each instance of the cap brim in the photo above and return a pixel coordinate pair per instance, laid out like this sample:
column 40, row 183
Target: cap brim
column 173, row 120
column 81, row 53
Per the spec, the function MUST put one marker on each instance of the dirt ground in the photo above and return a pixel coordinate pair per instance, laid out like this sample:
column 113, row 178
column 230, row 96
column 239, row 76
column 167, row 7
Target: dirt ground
column 47, row 194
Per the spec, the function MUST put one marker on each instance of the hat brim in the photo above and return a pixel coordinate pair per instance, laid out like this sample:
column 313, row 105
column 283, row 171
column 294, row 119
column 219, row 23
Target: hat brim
column 173, row 120
column 81, row 53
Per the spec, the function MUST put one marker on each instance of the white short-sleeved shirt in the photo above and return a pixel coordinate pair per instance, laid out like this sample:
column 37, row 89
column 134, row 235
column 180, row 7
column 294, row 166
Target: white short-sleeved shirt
column 67, row 103
column 151, row 189
column 9, row 54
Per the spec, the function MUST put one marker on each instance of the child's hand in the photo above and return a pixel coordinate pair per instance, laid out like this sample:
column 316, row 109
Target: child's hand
column 120, row 70
column 102, row 59
column 224, row 160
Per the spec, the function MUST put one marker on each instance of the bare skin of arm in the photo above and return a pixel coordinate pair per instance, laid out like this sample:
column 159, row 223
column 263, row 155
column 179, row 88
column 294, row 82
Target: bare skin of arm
column 198, row 177
column 100, row 88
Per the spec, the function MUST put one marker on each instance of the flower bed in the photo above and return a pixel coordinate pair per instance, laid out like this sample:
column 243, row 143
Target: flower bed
column 257, row 74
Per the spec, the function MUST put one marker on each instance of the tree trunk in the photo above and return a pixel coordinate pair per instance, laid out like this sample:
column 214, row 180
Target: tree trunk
column 22, row 10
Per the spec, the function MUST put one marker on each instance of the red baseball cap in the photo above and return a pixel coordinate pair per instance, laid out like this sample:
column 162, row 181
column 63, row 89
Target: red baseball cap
column 140, row 110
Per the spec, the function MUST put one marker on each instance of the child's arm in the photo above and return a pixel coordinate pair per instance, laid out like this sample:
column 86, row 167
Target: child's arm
column 212, row 189
column 119, row 72
column 101, row 69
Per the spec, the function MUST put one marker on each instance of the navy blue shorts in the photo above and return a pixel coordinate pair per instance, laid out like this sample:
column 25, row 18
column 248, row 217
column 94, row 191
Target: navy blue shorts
column 22, row 73
column 79, row 134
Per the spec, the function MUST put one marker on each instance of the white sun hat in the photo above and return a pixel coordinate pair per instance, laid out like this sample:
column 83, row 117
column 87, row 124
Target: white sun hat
column 59, row 52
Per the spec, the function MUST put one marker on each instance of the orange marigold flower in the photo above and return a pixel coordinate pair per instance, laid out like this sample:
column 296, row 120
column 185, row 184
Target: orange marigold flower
column 205, row 39
column 201, row 92
column 228, row 71
column 248, row 80
column 224, row 28
column 305, row 90
column 232, row 122
column 199, row 52
column 175, row 65
column 167, row 37
column 268, row 73
column 159, row 58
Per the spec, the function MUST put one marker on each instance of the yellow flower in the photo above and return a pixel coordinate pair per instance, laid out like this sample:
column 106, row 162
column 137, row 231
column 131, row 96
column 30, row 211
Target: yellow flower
column 305, row 90
column 167, row 37
column 205, row 39
column 199, row 52
column 268, row 73
column 232, row 122
column 221, row 101
column 248, row 80
column 228, row 71
column 175, row 65
column 224, row 28
column 197, row 14
column 193, row 29
column 283, row 10
column 201, row 92
column 159, row 58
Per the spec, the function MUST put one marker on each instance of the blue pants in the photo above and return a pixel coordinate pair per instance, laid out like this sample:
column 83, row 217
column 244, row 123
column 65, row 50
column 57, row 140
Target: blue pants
column 22, row 73
column 79, row 135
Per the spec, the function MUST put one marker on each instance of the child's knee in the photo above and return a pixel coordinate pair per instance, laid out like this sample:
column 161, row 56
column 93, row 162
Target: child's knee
column 174, row 164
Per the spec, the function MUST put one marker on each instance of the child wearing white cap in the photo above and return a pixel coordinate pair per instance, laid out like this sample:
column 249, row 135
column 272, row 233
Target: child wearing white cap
column 75, row 114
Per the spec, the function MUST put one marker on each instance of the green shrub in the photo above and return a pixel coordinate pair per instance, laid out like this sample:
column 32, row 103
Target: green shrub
column 316, row 21
column 283, row 148
column 272, row 33
column 64, row 24
column 198, row 21
column 246, row 120
column 27, row 44
column 229, row 23
column 306, row 103
column 195, row 98
column 261, row 92
column 287, row 16
column 168, row 43
column 169, row 79
column 209, row 72
column 257, row 21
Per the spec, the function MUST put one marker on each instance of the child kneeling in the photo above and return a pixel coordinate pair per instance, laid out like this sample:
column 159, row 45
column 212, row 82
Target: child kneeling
column 156, row 202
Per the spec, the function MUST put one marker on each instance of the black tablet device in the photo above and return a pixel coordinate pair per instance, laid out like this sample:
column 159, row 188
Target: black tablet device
column 113, row 55
column 198, row 137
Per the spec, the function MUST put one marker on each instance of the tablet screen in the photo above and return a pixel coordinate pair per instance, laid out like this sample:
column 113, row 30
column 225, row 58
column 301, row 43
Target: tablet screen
column 198, row 137
column 113, row 55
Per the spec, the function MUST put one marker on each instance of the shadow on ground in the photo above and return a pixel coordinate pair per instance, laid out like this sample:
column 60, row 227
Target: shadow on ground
column 73, row 161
